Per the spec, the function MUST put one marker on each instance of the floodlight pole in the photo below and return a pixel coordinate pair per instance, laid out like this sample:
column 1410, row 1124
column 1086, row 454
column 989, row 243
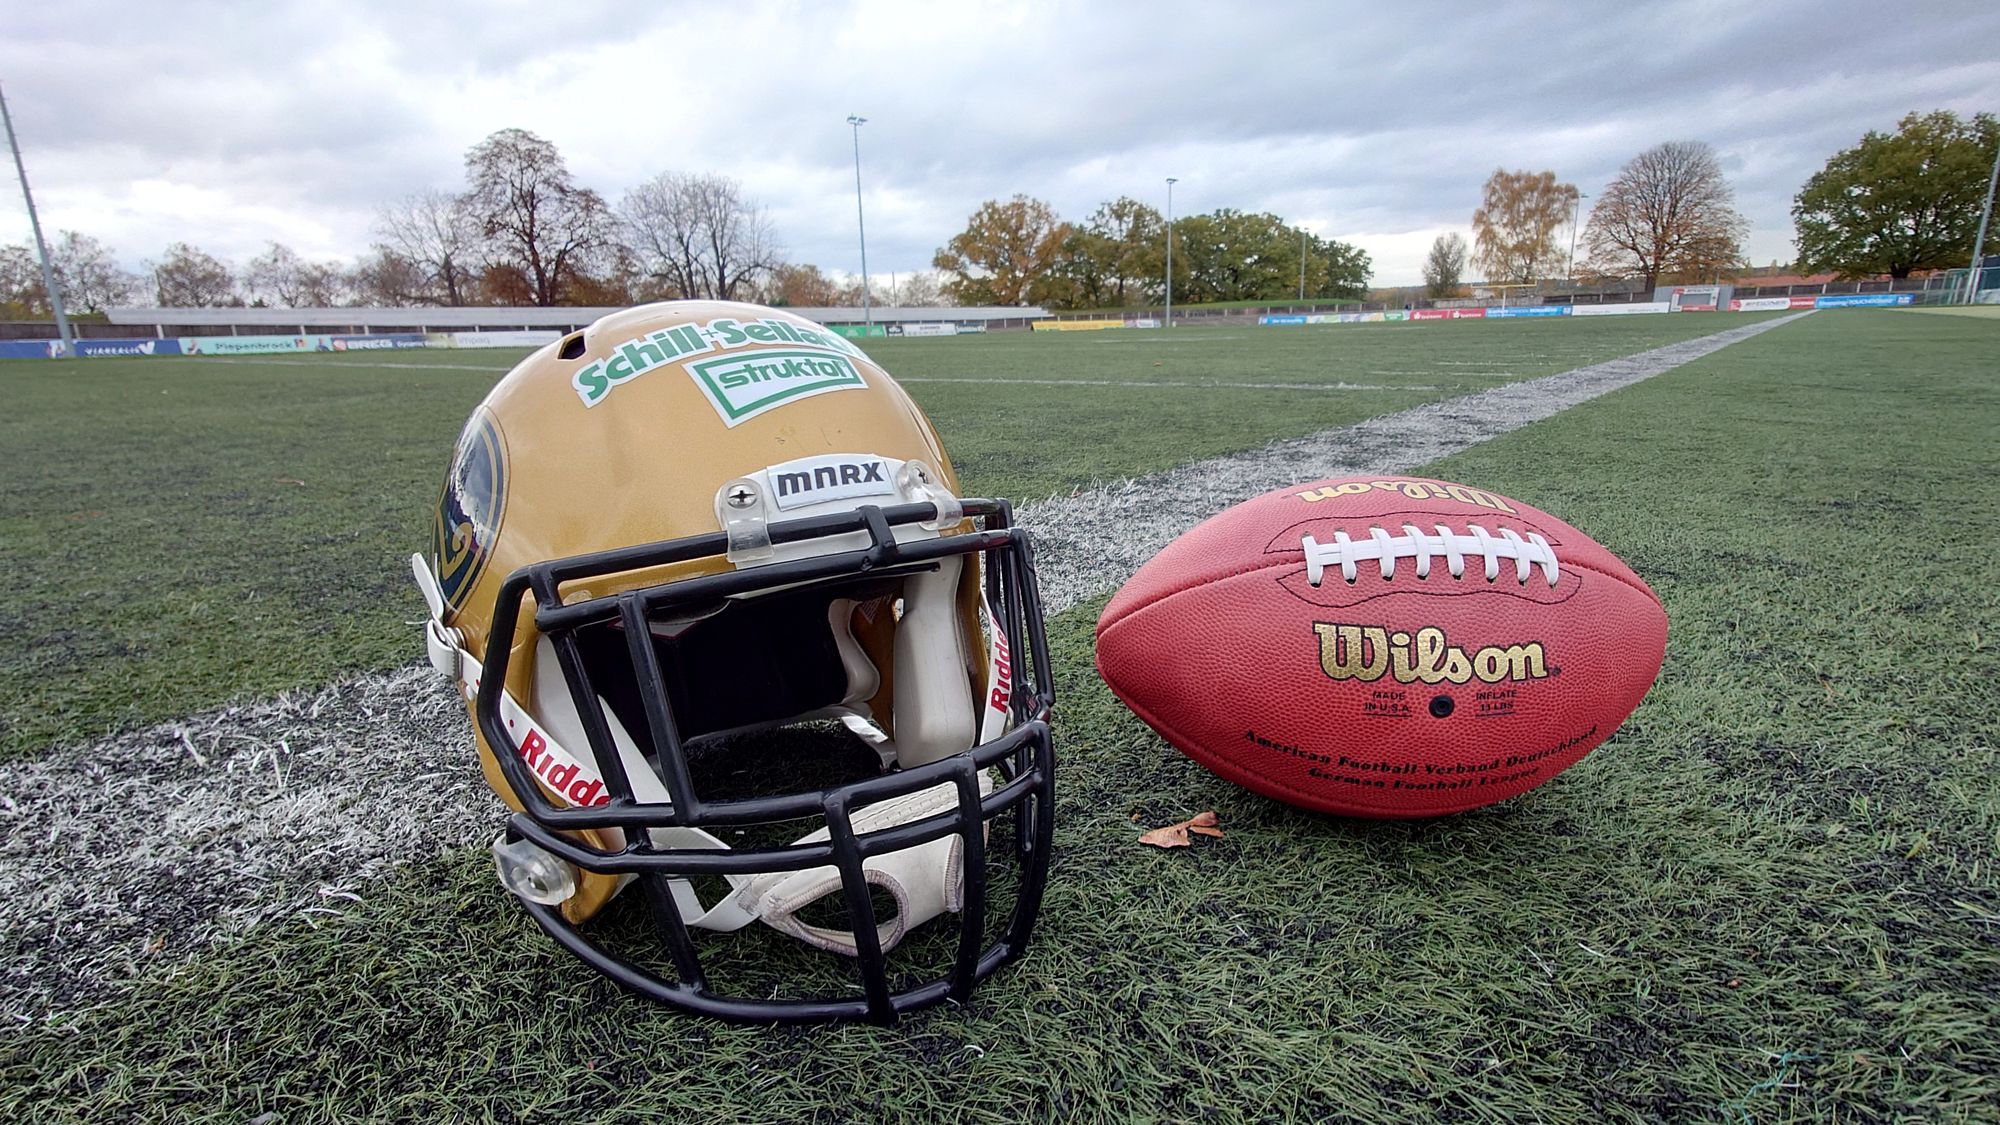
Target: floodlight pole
column 1569, row 271
column 867, row 313
column 1302, row 263
column 1171, row 181
column 1979, row 243
column 41, row 246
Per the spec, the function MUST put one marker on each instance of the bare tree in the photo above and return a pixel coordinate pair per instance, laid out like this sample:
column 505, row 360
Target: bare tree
column 1444, row 266
column 21, row 292
column 534, row 217
column 1669, row 212
column 697, row 236
column 385, row 278
column 1514, row 229
column 91, row 279
column 274, row 277
column 438, row 233
column 922, row 290
column 192, row 278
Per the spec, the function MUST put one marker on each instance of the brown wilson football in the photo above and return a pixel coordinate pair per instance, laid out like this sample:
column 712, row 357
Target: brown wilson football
column 1383, row 646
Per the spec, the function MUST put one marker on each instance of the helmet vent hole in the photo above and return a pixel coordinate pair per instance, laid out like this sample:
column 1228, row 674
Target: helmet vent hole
column 572, row 348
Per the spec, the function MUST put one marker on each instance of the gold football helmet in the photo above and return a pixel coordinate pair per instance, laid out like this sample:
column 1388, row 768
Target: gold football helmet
column 687, row 563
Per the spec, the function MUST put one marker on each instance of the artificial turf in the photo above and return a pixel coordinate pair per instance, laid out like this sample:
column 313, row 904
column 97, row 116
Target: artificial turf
column 179, row 533
column 1771, row 897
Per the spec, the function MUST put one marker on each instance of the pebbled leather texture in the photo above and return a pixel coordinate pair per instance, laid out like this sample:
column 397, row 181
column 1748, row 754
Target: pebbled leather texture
column 1396, row 697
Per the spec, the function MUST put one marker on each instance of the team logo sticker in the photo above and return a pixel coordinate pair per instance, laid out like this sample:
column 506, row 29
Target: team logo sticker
column 743, row 386
column 469, row 510
column 594, row 381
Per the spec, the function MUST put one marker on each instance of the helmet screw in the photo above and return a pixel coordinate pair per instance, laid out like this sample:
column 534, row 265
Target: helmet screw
column 742, row 496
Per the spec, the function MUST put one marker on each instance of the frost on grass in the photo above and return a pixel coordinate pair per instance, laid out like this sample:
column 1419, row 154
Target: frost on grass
column 131, row 855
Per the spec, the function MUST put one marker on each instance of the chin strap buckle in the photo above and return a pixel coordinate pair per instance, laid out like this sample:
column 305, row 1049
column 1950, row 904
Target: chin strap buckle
column 444, row 644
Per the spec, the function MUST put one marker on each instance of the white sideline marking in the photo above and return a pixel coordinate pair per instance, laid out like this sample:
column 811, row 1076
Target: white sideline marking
column 131, row 855
column 1186, row 385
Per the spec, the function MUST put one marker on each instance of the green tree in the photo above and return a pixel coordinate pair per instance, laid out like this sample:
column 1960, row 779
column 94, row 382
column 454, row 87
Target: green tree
column 1118, row 257
column 1008, row 254
column 1444, row 266
column 1232, row 255
column 1898, row 202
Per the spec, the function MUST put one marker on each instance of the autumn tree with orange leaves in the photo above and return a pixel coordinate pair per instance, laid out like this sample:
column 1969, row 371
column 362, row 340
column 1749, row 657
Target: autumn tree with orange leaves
column 1005, row 255
column 1514, row 230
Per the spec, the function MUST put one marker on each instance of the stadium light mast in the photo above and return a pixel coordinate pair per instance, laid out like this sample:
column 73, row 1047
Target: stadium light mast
column 1569, row 271
column 41, row 246
column 867, row 312
column 1171, row 181
column 1979, row 243
column 1302, row 261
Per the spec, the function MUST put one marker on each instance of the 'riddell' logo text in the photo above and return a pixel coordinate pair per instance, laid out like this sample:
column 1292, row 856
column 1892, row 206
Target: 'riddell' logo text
column 1369, row 652
column 565, row 777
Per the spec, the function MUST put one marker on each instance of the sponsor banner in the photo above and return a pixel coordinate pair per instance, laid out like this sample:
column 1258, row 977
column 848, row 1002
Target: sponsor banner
column 1760, row 304
column 1076, row 325
column 859, row 331
column 1529, row 310
column 1800, row 302
column 1404, row 315
column 927, row 328
column 128, row 347
column 1632, row 309
column 30, row 349
column 252, row 345
column 1371, row 318
column 1448, row 314
column 1849, row 300
column 511, row 338
column 970, row 326
column 1142, row 322
column 384, row 342
column 1286, row 318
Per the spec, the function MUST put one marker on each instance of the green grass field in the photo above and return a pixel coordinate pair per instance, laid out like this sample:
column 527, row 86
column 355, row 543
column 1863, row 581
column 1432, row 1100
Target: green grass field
column 186, row 532
column 1770, row 898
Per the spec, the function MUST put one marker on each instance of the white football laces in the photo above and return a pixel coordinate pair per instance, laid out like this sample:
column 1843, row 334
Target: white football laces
column 1385, row 549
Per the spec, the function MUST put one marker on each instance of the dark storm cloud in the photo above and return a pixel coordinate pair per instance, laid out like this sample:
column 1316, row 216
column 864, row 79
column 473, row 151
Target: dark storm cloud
column 231, row 125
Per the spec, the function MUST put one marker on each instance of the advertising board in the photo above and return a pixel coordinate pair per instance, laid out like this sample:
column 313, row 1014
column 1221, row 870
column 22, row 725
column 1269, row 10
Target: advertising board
column 1633, row 309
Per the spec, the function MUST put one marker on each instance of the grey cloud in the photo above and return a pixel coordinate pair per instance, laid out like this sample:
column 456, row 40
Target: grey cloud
column 1383, row 120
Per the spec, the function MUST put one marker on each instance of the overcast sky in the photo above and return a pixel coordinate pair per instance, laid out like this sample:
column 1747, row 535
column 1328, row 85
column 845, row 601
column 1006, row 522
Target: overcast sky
column 232, row 125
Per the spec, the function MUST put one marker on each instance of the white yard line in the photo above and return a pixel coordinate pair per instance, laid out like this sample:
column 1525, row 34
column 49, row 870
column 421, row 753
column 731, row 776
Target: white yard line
column 150, row 846
column 1177, row 384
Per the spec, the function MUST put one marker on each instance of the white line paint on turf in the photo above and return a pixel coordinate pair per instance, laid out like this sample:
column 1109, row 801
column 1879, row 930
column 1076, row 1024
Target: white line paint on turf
column 1176, row 384
column 130, row 855
column 1091, row 542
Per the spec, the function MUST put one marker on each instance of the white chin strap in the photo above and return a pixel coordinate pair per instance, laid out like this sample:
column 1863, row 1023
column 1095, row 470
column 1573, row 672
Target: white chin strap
column 925, row 880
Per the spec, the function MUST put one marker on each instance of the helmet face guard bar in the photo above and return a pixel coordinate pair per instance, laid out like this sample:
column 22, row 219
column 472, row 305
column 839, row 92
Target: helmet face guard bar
column 1024, row 756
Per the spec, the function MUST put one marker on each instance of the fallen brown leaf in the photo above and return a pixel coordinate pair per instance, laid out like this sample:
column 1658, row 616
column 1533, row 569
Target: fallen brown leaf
column 1176, row 835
